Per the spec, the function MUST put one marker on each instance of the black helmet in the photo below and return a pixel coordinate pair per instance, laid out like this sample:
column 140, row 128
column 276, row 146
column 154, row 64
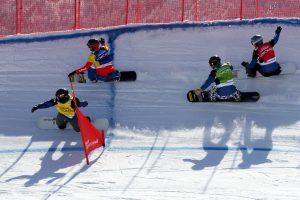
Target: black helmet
column 214, row 60
column 62, row 95
column 92, row 42
column 256, row 40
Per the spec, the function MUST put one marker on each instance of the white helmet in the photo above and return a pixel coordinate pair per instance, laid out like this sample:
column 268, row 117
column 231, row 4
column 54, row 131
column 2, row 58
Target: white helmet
column 256, row 40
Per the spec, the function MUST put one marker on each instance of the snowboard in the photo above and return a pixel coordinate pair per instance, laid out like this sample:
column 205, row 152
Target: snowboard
column 288, row 68
column 48, row 123
column 124, row 76
column 245, row 97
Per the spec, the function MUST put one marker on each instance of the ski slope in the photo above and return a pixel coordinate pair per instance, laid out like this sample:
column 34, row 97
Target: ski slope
column 158, row 145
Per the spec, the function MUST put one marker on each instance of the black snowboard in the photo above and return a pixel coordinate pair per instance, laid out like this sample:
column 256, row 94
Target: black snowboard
column 124, row 76
column 246, row 97
column 128, row 76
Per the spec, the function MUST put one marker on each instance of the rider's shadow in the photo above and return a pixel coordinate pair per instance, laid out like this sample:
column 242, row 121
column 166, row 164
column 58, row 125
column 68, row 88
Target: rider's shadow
column 213, row 157
column 50, row 166
column 256, row 150
column 214, row 144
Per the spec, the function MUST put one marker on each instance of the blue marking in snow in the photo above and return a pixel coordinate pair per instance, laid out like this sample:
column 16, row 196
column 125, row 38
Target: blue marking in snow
column 145, row 148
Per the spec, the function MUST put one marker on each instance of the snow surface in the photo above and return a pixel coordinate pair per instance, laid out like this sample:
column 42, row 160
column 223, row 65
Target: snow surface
column 159, row 146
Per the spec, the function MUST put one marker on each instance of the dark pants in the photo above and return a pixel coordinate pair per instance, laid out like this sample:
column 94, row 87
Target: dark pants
column 62, row 121
column 252, row 72
column 92, row 75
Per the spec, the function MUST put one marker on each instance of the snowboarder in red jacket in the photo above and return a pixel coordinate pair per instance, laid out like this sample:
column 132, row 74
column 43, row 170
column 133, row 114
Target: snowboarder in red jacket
column 263, row 57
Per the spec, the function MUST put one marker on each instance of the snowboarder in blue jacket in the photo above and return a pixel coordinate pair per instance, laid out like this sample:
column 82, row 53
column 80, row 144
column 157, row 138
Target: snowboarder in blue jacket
column 221, row 76
column 99, row 63
column 66, row 108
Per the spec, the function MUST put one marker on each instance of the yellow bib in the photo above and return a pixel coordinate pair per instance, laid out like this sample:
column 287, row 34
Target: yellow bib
column 65, row 108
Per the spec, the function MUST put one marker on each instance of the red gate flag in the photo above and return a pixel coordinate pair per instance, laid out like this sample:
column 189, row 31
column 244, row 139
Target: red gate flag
column 91, row 136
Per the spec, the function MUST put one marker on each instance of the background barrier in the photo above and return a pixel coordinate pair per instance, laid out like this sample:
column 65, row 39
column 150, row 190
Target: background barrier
column 32, row 16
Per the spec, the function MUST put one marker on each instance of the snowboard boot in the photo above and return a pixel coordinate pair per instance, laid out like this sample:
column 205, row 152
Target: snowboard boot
column 62, row 126
column 93, row 80
column 251, row 72
column 115, row 75
column 237, row 96
column 72, row 78
column 198, row 95
column 81, row 78
column 278, row 70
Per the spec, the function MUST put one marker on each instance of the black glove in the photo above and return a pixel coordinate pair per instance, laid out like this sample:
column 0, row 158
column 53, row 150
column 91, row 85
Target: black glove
column 102, row 40
column 278, row 29
column 84, row 104
column 72, row 74
column 244, row 63
column 34, row 108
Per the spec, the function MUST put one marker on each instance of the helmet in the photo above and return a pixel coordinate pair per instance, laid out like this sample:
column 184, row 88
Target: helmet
column 62, row 95
column 93, row 44
column 214, row 60
column 256, row 40
column 92, row 41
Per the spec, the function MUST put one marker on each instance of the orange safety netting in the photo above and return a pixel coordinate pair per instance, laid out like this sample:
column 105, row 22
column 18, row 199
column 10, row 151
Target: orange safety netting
column 31, row 16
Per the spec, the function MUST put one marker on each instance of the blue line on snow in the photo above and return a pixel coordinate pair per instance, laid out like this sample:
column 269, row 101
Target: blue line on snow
column 145, row 148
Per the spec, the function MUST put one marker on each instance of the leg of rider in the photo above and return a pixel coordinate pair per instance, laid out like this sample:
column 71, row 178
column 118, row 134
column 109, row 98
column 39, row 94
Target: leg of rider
column 115, row 75
column 74, row 123
column 237, row 96
column 105, row 73
column 213, row 93
column 228, row 93
column 275, row 66
column 92, row 75
column 111, row 73
column 61, row 121
column 278, row 71
column 252, row 72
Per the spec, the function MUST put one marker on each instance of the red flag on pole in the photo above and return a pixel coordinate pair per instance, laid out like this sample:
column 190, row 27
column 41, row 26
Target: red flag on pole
column 90, row 135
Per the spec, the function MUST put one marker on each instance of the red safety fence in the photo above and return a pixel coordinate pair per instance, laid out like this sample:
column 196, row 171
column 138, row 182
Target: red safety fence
column 32, row 16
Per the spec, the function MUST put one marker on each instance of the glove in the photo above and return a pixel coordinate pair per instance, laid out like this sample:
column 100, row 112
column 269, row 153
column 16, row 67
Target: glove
column 72, row 74
column 198, row 91
column 84, row 104
column 244, row 63
column 278, row 29
column 102, row 41
column 34, row 108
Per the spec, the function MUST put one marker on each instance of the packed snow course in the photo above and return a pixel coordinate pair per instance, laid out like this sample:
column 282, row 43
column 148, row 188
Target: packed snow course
column 158, row 146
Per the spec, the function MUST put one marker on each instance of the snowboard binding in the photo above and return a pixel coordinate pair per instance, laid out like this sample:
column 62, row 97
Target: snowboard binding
column 193, row 97
column 78, row 78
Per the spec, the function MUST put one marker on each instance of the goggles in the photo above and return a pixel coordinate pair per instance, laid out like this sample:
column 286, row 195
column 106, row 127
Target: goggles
column 62, row 98
column 93, row 47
